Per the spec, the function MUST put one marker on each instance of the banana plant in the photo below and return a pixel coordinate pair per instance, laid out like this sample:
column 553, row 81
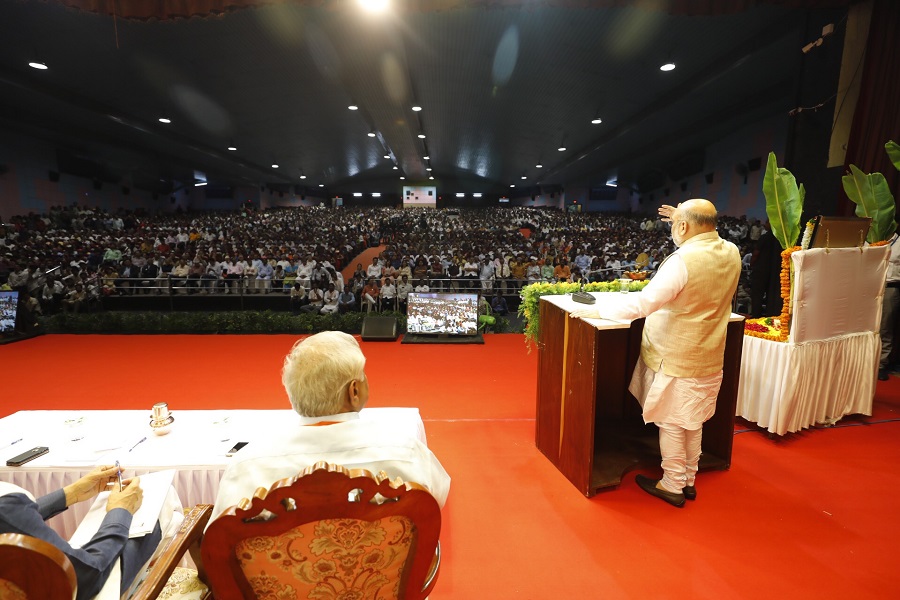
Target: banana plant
column 784, row 202
column 893, row 150
column 873, row 198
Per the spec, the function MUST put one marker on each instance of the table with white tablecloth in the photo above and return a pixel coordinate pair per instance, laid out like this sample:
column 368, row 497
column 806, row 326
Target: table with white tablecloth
column 828, row 366
column 195, row 447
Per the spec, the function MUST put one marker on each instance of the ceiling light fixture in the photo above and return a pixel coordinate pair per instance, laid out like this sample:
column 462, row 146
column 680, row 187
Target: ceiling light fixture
column 476, row 195
column 427, row 157
column 302, row 176
column 562, row 148
column 371, row 134
column 669, row 66
column 460, row 195
column 417, row 108
column 200, row 184
column 39, row 65
column 402, row 177
column 357, row 194
column 387, row 155
column 539, row 166
column 512, row 185
column 321, row 185
column 274, row 165
column 427, row 168
column 232, row 148
column 421, row 136
column 396, row 167
column 353, row 107
column 523, row 177
column 373, row 6
column 596, row 121
column 431, row 177
column 165, row 119
column 376, row 194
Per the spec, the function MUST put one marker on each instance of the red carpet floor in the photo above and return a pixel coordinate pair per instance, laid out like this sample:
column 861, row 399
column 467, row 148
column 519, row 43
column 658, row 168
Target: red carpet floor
column 810, row 515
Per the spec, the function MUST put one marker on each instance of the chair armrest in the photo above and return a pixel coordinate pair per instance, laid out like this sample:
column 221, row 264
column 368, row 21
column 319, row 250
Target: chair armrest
column 431, row 579
column 187, row 538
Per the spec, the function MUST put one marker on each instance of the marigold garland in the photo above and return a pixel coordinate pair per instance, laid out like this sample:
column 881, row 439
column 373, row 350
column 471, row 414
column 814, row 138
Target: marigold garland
column 780, row 327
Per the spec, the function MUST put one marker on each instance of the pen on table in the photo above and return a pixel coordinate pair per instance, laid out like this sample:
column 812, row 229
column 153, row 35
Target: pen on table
column 140, row 441
column 13, row 443
column 119, row 475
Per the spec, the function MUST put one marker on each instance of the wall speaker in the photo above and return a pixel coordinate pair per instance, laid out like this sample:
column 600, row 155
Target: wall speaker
column 379, row 329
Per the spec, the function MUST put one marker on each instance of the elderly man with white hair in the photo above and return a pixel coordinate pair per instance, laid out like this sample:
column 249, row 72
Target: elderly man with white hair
column 325, row 379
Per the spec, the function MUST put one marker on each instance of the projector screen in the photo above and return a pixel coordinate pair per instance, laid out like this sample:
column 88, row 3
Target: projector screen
column 442, row 314
column 8, row 303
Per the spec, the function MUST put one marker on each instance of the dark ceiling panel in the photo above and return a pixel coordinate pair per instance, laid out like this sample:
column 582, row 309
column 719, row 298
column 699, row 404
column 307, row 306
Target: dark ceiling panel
column 501, row 89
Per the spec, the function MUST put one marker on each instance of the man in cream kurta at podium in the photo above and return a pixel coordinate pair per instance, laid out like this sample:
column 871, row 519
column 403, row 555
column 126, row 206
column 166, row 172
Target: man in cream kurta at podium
column 687, row 305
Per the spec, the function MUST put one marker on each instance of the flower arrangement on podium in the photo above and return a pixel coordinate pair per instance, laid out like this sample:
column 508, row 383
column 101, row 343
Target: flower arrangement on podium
column 529, row 307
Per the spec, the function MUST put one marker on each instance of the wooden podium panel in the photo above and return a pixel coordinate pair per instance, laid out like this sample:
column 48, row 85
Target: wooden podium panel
column 588, row 423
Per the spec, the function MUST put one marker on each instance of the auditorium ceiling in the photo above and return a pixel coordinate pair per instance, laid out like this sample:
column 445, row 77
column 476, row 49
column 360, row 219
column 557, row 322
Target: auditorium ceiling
column 502, row 87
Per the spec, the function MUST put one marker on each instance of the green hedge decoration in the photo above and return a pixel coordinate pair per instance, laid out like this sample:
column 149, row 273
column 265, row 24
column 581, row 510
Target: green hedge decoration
column 531, row 298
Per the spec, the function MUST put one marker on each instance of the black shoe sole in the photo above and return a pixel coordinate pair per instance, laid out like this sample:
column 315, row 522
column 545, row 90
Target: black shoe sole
column 649, row 486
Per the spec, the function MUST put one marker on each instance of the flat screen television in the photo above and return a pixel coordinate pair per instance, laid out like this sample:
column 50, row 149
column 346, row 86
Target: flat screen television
column 9, row 301
column 435, row 313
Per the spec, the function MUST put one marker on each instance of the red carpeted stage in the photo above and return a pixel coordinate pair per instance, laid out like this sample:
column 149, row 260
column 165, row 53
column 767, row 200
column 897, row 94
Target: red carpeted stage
column 811, row 515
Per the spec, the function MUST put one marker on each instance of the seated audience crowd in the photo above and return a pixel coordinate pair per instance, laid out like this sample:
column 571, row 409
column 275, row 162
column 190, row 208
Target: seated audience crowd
column 69, row 258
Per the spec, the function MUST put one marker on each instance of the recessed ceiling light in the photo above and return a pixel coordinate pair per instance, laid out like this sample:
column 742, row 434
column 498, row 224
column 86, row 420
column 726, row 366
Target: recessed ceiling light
column 669, row 66
column 387, row 155
column 417, row 108
column 396, row 167
column 460, row 195
column 357, row 194
column 274, row 165
column 539, row 166
column 165, row 120
column 302, row 176
column 427, row 168
column 596, row 121
column 427, row 157
column 371, row 134
column 562, row 148
column 200, row 184
column 476, row 195
column 523, row 177
column 421, row 136
column 232, row 148
column 402, row 177
column 321, row 185
column 431, row 177
column 512, row 185
column 376, row 194
column 353, row 107
column 38, row 64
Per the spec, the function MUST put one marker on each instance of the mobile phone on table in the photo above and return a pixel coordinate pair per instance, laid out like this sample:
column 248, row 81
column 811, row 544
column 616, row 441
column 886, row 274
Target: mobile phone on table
column 28, row 455
column 234, row 449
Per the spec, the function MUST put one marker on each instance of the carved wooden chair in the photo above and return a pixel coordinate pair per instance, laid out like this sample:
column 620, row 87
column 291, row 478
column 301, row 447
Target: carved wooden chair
column 327, row 533
column 34, row 569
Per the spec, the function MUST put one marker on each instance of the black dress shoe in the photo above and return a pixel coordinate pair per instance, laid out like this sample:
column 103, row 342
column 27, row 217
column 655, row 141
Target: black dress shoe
column 690, row 492
column 883, row 375
column 649, row 486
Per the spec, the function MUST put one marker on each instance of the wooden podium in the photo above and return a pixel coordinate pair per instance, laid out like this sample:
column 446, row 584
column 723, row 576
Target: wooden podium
column 588, row 423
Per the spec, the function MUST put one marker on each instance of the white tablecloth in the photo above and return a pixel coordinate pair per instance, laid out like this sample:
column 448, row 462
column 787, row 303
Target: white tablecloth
column 786, row 387
column 196, row 447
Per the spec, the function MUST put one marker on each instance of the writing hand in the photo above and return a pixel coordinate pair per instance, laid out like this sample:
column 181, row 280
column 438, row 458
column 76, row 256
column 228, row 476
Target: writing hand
column 665, row 212
column 130, row 498
column 91, row 484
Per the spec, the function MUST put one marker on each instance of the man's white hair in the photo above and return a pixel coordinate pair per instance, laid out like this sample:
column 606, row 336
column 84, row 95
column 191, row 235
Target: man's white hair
column 318, row 370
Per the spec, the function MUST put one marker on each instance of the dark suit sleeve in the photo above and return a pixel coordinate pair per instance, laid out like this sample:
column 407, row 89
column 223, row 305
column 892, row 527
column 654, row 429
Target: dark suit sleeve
column 92, row 562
